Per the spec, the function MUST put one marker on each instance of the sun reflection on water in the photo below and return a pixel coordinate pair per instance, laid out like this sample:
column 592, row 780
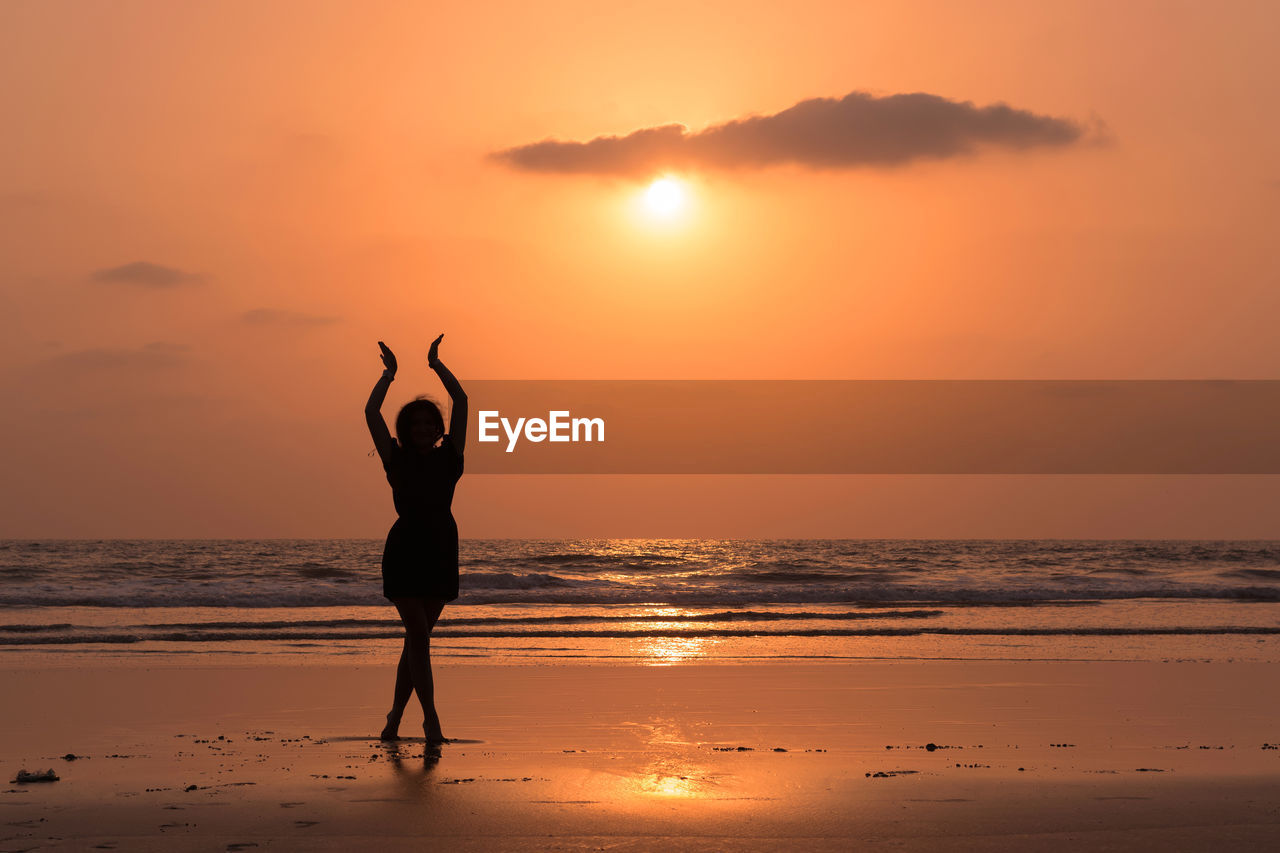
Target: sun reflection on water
column 668, row 782
column 660, row 651
column 672, row 771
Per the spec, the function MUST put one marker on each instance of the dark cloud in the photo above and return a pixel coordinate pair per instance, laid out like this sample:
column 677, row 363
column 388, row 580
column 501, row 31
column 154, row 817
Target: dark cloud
column 147, row 274
column 158, row 354
column 275, row 317
column 859, row 129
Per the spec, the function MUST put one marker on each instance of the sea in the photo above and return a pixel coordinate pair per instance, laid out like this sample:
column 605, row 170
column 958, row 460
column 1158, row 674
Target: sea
column 647, row 601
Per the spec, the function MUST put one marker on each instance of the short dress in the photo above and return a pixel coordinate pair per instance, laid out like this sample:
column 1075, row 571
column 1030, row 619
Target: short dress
column 420, row 558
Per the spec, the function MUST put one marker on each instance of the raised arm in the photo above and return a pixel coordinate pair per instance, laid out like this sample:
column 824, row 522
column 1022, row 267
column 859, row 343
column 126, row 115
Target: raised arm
column 373, row 408
column 458, row 410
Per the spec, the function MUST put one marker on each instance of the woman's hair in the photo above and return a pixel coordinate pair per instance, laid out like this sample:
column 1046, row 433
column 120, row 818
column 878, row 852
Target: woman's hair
column 419, row 407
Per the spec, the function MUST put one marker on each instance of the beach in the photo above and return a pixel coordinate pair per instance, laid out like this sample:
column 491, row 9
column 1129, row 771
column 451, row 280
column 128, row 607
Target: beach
column 183, row 755
column 646, row 695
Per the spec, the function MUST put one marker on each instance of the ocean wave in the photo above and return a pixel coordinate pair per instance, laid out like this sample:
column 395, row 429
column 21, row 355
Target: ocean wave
column 873, row 594
column 604, row 559
column 451, row 621
column 510, row 580
column 548, row 590
column 718, row 616
column 793, row 576
column 723, row 574
column 324, row 572
column 1253, row 574
column 108, row 637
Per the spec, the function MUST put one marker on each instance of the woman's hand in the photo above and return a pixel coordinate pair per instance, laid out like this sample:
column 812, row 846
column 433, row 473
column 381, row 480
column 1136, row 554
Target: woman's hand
column 457, row 397
column 388, row 358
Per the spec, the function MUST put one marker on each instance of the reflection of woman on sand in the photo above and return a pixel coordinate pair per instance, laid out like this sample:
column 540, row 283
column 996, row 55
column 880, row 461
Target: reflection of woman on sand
column 420, row 560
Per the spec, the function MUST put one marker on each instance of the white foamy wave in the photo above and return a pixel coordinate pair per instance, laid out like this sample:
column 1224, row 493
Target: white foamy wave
column 511, row 580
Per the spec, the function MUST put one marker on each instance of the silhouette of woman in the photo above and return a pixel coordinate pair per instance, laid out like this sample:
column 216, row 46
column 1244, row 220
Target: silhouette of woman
column 420, row 559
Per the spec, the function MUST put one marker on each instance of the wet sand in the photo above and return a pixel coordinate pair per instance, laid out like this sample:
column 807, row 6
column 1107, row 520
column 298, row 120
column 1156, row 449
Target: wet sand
column 904, row 755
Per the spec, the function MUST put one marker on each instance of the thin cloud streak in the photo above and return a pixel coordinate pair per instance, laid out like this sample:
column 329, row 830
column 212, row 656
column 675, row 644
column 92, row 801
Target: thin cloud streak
column 158, row 354
column 858, row 130
column 147, row 274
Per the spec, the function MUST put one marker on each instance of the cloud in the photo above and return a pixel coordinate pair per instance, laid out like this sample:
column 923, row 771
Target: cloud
column 858, row 130
column 147, row 274
column 158, row 354
column 274, row 317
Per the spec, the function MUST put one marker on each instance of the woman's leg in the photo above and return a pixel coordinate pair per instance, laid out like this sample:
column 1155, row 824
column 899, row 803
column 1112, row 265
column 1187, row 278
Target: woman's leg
column 404, row 690
column 419, row 616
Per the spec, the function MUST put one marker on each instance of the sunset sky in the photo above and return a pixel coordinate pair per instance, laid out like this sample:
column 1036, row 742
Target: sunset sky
column 210, row 214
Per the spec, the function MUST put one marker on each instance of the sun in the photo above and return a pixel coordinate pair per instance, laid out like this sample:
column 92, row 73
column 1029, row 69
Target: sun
column 665, row 197
column 665, row 207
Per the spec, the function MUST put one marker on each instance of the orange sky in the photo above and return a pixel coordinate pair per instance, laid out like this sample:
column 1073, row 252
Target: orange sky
column 318, row 171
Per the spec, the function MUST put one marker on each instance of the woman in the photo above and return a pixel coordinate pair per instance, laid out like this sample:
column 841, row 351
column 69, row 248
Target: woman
column 420, row 559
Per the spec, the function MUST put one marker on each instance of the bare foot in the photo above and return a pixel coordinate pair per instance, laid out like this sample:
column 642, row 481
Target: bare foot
column 434, row 736
column 391, row 731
